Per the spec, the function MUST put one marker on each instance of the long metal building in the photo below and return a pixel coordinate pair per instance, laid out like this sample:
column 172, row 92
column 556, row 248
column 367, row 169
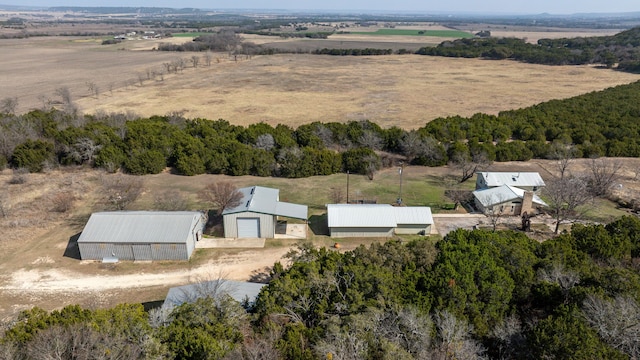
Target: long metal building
column 377, row 220
column 141, row 235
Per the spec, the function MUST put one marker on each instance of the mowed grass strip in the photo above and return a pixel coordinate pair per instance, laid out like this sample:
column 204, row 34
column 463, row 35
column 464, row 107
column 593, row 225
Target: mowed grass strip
column 411, row 32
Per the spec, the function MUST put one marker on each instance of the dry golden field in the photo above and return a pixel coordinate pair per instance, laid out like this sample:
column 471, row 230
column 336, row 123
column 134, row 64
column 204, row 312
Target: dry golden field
column 402, row 90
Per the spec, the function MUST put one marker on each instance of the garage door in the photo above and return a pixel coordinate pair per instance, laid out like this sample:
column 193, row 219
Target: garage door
column 249, row 228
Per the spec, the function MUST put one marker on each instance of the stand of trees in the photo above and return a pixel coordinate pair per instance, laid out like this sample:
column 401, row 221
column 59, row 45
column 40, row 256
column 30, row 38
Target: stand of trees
column 602, row 123
column 475, row 294
column 618, row 49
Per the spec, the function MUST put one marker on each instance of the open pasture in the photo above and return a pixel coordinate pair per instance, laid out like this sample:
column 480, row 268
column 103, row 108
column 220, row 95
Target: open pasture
column 400, row 90
column 448, row 33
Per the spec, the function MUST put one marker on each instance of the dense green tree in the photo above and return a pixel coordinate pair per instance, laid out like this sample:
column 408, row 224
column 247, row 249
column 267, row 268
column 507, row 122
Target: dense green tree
column 565, row 335
column 144, row 161
column 32, row 155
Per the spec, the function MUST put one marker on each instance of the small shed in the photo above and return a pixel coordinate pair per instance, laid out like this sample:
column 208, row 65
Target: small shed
column 377, row 220
column 258, row 212
column 141, row 235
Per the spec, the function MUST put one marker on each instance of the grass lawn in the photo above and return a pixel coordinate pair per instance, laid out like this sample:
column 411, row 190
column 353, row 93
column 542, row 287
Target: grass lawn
column 404, row 32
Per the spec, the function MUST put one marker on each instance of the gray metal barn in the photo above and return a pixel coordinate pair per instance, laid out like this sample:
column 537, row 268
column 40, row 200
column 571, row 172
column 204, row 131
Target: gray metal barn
column 257, row 214
column 377, row 220
column 141, row 235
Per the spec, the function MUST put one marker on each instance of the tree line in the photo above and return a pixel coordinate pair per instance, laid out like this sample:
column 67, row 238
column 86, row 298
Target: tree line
column 620, row 49
column 473, row 295
column 602, row 123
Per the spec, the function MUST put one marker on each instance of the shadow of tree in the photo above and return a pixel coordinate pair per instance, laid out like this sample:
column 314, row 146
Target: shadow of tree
column 72, row 250
column 318, row 224
column 262, row 275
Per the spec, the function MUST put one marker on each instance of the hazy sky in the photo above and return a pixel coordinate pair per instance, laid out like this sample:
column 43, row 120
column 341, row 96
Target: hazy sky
column 484, row 6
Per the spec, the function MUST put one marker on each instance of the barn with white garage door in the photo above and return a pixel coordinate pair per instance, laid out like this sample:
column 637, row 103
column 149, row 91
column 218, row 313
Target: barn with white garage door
column 258, row 212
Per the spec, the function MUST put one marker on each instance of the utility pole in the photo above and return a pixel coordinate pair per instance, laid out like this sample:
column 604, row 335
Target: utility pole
column 401, row 170
column 347, row 186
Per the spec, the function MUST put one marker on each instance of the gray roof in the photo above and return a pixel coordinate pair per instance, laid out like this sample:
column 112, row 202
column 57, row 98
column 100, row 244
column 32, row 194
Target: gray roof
column 413, row 215
column 494, row 179
column 502, row 194
column 140, row 227
column 238, row 290
column 264, row 200
column 376, row 215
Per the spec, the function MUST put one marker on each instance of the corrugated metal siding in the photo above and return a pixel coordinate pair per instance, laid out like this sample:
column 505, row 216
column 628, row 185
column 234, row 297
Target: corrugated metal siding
column 343, row 232
column 267, row 224
column 97, row 251
column 412, row 229
column 142, row 252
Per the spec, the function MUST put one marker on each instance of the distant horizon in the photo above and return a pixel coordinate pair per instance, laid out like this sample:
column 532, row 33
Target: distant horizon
column 488, row 7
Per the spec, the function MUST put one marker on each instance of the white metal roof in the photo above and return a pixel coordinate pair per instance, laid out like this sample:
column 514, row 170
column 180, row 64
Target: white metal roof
column 501, row 194
column 376, row 215
column 413, row 215
column 140, row 227
column 238, row 290
column 494, row 179
column 265, row 200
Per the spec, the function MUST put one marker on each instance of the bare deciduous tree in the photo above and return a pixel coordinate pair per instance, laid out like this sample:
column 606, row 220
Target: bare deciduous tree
column 604, row 174
column 372, row 165
column 371, row 140
column 62, row 201
column 617, row 322
column 459, row 196
column 563, row 154
column 265, row 142
column 336, row 195
column 9, row 105
column 195, row 60
column 5, row 203
column 566, row 198
column 557, row 274
column 222, row 194
column 497, row 211
column 207, row 59
column 325, row 134
column 469, row 165
column 84, row 150
column 454, row 339
column 171, row 200
column 93, row 89
column 120, row 191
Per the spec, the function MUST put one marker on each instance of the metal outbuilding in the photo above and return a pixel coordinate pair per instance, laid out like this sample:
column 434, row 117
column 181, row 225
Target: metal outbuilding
column 141, row 235
column 257, row 214
column 377, row 220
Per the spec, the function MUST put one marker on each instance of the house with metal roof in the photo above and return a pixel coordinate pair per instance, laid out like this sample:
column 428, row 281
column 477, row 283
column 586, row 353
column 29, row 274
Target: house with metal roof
column 531, row 181
column 242, row 292
column 141, row 235
column 377, row 220
column 257, row 214
column 507, row 200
